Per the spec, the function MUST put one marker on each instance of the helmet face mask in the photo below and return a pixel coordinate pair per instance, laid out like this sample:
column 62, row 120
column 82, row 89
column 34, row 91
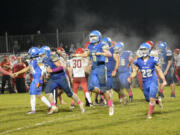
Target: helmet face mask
column 93, row 38
column 45, row 51
column 119, row 47
column 162, row 46
column 144, row 52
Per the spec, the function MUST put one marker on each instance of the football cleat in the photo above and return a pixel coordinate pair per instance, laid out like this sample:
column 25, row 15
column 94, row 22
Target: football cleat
column 72, row 106
column 52, row 110
column 149, row 116
column 82, row 108
column 173, row 95
column 31, row 112
column 111, row 111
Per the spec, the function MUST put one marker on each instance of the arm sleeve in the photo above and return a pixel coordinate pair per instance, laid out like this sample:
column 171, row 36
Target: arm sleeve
column 136, row 63
column 60, row 68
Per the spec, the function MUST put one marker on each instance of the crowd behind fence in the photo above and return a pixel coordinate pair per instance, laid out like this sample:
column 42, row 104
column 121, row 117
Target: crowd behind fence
column 22, row 43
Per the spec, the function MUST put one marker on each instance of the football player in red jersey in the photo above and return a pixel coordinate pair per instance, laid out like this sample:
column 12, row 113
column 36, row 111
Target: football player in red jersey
column 78, row 66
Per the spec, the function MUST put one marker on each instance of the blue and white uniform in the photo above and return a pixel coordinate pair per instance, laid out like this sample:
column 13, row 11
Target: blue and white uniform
column 150, row 81
column 98, row 74
column 112, row 82
column 57, row 79
column 124, row 69
column 36, row 84
column 165, row 56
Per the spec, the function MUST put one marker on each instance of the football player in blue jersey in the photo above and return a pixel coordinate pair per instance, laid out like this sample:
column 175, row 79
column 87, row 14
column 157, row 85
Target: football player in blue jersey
column 124, row 70
column 99, row 54
column 166, row 61
column 58, row 78
column 112, row 67
column 36, row 84
column 148, row 66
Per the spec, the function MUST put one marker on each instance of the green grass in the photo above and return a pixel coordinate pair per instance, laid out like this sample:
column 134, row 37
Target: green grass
column 130, row 119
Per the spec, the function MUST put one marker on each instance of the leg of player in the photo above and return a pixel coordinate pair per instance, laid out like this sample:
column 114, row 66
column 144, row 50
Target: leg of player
column 60, row 92
column 151, row 107
column 78, row 101
column 173, row 94
column 122, row 97
column 33, row 104
column 75, row 90
column 130, row 94
column 52, row 108
column 161, row 91
column 109, row 102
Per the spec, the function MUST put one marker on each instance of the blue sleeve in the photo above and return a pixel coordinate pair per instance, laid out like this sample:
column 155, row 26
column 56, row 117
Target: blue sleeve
column 136, row 63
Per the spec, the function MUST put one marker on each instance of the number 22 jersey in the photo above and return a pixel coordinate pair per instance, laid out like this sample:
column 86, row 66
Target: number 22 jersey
column 147, row 68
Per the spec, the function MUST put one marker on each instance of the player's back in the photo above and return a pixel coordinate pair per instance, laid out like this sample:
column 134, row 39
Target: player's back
column 124, row 61
column 78, row 64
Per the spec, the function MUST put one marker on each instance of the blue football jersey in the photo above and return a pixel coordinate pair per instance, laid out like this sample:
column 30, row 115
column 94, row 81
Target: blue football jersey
column 93, row 49
column 165, row 56
column 124, row 61
column 111, row 62
column 35, row 69
column 147, row 67
column 48, row 62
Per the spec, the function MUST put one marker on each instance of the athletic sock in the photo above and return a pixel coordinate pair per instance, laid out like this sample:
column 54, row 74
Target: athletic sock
column 161, row 90
column 110, row 103
column 45, row 101
column 130, row 93
column 88, row 97
column 151, row 107
column 33, row 102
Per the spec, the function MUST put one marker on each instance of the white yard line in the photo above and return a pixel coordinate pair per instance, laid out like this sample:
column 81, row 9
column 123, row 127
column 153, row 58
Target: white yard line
column 44, row 123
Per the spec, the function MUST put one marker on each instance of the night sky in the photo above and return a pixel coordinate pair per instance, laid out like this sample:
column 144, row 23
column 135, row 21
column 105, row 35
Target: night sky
column 141, row 16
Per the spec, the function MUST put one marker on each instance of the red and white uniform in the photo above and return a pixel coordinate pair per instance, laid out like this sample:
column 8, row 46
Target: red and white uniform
column 78, row 64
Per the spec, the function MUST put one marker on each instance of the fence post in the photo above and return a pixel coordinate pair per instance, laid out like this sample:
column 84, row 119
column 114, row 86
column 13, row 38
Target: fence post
column 57, row 37
column 6, row 38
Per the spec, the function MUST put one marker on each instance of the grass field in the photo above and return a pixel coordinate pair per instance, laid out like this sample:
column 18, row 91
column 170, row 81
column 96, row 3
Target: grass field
column 130, row 119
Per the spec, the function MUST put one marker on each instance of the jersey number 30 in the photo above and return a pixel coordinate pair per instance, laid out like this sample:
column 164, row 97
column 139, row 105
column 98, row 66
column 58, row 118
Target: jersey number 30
column 77, row 63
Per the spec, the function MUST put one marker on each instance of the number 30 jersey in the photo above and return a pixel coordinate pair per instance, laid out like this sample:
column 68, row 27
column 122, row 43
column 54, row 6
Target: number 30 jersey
column 147, row 68
column 78, row 64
